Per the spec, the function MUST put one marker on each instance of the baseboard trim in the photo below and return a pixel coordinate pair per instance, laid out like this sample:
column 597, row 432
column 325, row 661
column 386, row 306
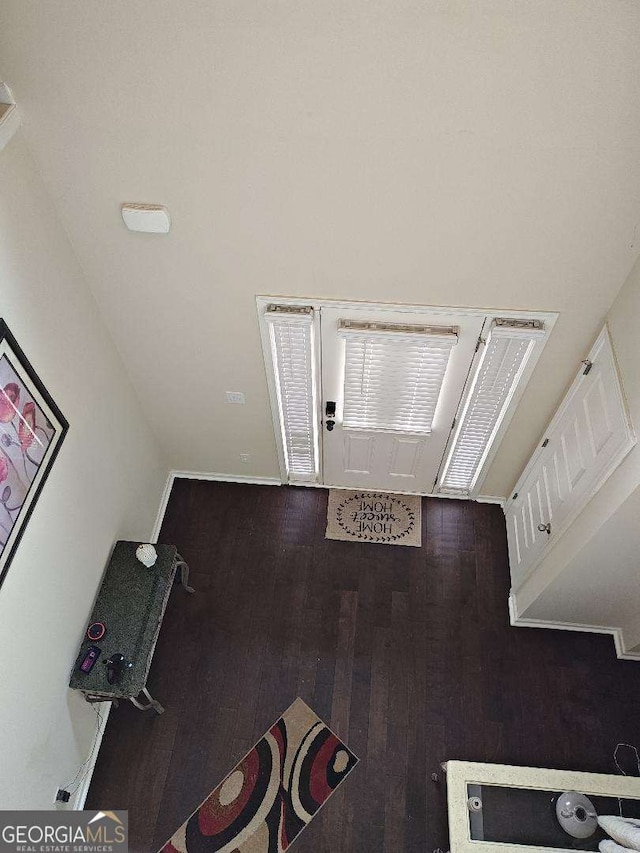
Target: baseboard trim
column 81, row 794
column 164, row 500
column 9, row 124
column 202, row 475
column 227, row 478
column 482, row 499
column 490, row 499
column 616, row 633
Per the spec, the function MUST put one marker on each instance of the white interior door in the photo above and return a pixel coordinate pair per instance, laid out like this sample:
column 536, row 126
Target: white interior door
column 391, row 385
column 587, row 437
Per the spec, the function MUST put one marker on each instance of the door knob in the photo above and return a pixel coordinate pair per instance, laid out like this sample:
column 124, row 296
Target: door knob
column 330, row 425
column 545, row 528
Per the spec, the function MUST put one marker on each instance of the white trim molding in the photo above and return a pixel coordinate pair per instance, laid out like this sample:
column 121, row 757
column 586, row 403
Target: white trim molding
column 10, row 119
column 486, row 499
column 81, row 794
column 616, row 633
column 201, row 475
column 481, row 499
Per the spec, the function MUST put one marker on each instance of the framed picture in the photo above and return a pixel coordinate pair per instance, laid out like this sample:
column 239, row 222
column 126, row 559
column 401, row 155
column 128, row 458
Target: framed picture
column 32, row 429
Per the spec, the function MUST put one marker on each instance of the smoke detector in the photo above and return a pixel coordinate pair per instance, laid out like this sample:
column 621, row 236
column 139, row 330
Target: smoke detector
column 148, row 218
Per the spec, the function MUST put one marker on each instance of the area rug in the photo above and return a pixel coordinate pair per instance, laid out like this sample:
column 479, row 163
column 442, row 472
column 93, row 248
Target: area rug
column 374, row 517
column 272, row 794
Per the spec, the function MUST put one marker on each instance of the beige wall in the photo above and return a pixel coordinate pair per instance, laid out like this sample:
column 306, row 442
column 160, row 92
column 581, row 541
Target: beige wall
column 445, row 153
column 592, row 575
column 105, row 484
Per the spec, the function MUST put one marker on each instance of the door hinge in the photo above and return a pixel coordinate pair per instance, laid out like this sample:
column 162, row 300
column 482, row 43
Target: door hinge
column 588, row 364
column 453, row 422
column 545, row 442
column 481, row 341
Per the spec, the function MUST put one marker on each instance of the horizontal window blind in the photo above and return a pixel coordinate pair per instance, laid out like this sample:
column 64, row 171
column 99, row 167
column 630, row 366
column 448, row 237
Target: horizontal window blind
column 293, row 354
column 394, row 375
column 503, row 361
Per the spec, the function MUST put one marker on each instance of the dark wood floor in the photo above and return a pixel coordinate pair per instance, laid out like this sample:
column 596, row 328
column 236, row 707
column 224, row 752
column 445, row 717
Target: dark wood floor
column 406, row 652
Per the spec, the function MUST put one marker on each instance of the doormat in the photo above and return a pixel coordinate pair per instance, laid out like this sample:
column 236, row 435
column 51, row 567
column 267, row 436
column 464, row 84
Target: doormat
column 374, row 517
column 272, row 794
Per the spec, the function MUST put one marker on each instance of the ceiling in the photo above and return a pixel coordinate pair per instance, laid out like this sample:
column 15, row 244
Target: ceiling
column 462, row 153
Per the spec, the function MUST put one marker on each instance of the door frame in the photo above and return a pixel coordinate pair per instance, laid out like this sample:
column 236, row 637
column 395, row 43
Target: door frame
column 549, row 319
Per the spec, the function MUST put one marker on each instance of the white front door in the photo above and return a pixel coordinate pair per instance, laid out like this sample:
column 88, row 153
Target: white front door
column 391, row 385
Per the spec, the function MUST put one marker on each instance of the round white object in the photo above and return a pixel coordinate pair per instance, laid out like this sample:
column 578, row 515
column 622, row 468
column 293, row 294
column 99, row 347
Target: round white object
column 147, row 555
column 576, row 814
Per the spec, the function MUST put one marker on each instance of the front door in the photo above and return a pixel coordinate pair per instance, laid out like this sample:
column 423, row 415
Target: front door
column 391, row 385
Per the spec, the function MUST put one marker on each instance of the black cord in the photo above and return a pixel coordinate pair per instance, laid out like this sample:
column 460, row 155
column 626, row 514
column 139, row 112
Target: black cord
column 75, row 779
column 620, row 770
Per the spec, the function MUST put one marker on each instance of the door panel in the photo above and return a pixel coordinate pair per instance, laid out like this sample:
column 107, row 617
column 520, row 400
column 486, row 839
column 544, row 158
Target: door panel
column 391, row 459
column 358, row 453
column 405, row 457
column 588, row 434
column 596, row 407
column 535, row 504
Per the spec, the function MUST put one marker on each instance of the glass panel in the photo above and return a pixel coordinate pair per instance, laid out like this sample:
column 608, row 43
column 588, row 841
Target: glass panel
column 394, row 383
column 527, row 816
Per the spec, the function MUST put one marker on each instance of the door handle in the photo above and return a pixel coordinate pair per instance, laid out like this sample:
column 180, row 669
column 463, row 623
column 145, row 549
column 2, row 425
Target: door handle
column 330, row 409
column 330, row 425
column 545, row 528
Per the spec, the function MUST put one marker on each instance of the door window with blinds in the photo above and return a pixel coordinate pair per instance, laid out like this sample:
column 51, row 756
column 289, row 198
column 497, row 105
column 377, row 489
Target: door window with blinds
column 505, row 356
column 364, row 398
column 394, row 374
column 293, row 352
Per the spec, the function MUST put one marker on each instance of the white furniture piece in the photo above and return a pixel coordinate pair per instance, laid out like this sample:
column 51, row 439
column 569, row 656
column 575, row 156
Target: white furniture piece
column 518, row 803
column 587, row 438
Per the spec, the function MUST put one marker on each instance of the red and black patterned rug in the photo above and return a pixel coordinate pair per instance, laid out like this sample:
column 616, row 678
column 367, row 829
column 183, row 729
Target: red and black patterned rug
column 272, row 794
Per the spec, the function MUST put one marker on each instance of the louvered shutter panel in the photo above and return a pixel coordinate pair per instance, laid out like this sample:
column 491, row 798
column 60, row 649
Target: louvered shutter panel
column 293, row 354
column 505, row 357
column 393, row 378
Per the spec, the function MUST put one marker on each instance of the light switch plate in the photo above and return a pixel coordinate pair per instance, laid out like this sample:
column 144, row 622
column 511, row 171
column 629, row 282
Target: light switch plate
column 236, row 397
column 149, row 218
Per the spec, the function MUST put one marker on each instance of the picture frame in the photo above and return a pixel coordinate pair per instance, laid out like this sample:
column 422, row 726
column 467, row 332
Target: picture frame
column 32, row 429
